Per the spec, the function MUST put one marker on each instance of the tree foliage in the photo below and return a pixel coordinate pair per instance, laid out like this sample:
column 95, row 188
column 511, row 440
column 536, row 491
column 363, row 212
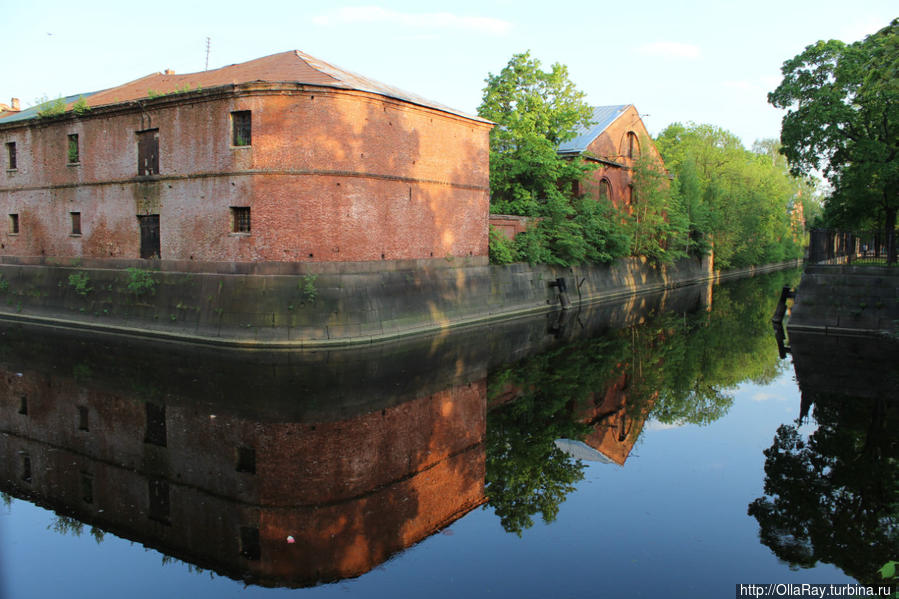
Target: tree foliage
column 536, row 110
column 732, row 199
column 842, row 104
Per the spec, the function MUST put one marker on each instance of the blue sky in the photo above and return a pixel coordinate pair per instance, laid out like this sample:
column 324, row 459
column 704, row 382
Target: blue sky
column 709, row 61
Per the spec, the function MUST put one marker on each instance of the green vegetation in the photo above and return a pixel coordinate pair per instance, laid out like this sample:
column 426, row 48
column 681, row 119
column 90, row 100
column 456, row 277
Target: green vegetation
column 842, row 103
column 307, row 285
column 80, row 106
column 141, row 282
column 722, row 196
column 49, row 108
column 730, row 199
column 4, row 285
column 80, row 282
column 535, row 110
column 675, row 368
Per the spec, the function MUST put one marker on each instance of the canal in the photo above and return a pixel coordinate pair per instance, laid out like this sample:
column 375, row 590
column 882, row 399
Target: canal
column 656, row 447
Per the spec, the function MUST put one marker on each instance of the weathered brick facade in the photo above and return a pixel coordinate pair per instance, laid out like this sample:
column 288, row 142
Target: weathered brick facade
column 614, row 145
column 331, row 171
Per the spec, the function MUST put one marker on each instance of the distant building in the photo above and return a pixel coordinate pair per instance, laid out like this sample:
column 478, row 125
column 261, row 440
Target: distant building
column 614, row 143
column 282, row 158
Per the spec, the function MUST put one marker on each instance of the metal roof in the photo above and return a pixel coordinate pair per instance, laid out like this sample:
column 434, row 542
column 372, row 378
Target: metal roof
column 603, row 116
column 31, row 112
column 286, row 67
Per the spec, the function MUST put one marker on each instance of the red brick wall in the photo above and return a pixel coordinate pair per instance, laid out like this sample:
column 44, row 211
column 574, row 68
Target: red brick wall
column 331, row 175
column 612, row 145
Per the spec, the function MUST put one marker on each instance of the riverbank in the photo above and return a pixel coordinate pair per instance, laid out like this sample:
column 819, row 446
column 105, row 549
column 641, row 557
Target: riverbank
column 276, row 306
column 847, row 300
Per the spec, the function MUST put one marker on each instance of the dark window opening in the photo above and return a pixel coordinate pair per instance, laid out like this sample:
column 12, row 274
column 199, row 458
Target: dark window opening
column 633, row 146
column 23, row 405
column 605, row 190
column 249, row 543
column 76, row 222
column 148, row 152
column 14, row 224
column 87, row 488
column 26, row 468
column 159, row 499
column 149, row 236
column 83, row 418
column 73, row 149
column 240, row 128
column 246, row 460
column 240, row 219
column 156, row 434
column 11, row 154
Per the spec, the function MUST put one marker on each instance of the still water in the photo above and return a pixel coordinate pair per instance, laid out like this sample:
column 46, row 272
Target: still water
column 658, row 447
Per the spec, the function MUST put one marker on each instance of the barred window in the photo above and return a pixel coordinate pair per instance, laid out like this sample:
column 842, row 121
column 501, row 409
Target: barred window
column 241, row 134
column 76, row 223
column 240, row 219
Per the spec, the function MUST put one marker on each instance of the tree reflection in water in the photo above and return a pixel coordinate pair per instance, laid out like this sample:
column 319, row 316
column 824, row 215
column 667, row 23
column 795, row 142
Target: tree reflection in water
column 833, row 495
column 675, row 368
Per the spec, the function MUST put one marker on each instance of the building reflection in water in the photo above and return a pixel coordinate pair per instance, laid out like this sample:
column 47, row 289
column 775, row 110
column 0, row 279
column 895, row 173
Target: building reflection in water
column 279, row 468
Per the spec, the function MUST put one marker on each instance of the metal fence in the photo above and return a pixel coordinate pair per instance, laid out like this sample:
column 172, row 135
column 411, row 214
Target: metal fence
column 841, row 247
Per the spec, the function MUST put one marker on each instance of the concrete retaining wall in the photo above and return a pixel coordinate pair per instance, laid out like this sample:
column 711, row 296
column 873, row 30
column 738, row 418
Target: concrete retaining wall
column 329, row 307
column 853, row 300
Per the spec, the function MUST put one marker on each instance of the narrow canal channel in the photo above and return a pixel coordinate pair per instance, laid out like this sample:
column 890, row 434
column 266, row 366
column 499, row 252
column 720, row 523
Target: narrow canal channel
column 658, row 447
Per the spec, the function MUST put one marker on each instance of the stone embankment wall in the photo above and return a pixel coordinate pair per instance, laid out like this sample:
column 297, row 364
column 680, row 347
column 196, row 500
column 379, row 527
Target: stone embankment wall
column 842, row 299
column 304, row 306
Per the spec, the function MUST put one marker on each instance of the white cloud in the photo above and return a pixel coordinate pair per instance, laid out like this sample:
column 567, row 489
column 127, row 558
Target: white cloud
column 670, row 50
column 763, row 396
column 424, row 20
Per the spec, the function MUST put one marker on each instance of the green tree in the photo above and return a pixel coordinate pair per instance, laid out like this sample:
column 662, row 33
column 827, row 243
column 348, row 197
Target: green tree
column 536, row 110
column 842, row 104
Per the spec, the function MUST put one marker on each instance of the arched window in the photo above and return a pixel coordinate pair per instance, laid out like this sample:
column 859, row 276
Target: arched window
column 633, row 145
column 605, row 189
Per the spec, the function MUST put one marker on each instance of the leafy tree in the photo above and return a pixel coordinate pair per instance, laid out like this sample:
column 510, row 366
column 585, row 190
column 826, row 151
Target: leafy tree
column 842, row 104
column 731, row 199
column 536, row 110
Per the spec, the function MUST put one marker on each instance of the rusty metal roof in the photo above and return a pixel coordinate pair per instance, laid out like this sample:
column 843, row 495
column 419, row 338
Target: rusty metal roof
column 286, row 67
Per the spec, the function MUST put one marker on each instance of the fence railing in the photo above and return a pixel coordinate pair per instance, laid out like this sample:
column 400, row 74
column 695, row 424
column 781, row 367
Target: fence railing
column 841, row 247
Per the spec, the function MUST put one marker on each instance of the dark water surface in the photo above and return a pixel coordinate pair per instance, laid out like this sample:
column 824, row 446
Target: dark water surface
column 658, row 447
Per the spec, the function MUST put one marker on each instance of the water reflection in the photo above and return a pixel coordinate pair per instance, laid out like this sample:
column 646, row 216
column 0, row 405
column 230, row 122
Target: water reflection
column 217, row 457
column 833, row 495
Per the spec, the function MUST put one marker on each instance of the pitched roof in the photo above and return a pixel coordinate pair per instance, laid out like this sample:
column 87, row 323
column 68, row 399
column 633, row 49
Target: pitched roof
column 286, row 67
column 603, row 116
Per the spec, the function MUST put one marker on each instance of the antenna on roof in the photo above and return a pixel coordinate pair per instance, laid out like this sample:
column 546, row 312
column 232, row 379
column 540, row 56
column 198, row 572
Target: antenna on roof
column 207, row 54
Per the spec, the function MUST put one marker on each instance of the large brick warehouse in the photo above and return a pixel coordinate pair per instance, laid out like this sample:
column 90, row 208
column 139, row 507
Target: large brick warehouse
column 281, row 159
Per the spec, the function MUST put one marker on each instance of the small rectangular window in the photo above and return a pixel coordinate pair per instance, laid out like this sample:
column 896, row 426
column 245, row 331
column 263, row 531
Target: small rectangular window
column 76, row 223
column 11, row 154
column 249, row 543
column 246, row 460
column 87, row 488
column 13, row 224
column 73, row 149
column 148, row 152
column 240, row 128
column 83, row 418
column 26, row 468
column 156, row 433
column 23, row 405
column 240, row 219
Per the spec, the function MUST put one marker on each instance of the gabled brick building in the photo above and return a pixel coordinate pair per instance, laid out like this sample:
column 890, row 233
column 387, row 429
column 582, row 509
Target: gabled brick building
column 281, row 159
column 615, row 142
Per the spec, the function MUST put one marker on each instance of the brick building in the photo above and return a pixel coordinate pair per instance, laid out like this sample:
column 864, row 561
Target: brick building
column 280, row 159
column 615, row 142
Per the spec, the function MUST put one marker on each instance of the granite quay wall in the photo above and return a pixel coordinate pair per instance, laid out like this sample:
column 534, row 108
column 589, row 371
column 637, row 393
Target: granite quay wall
column 282, row 305
column 847, row 300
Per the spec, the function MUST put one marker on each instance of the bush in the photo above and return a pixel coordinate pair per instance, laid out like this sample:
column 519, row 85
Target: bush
column 141, row 281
